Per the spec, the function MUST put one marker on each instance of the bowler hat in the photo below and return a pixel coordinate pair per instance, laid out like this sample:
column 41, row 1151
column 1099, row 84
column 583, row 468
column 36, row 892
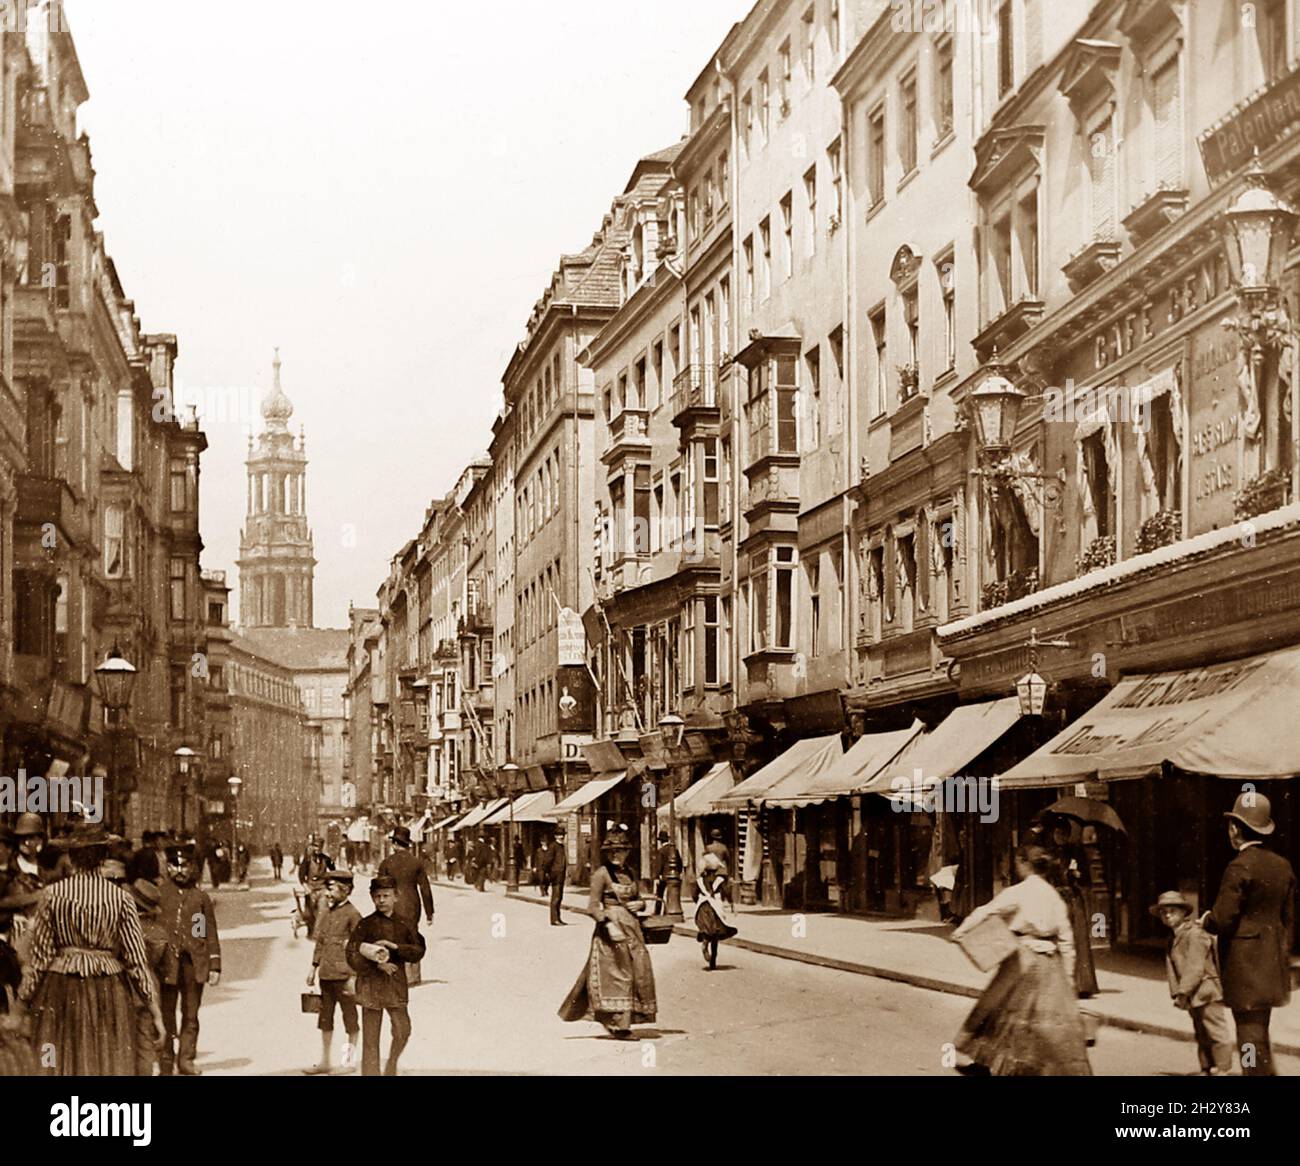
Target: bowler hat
column 1253, row 811
column 401, row 835
column 29, row 825
column 383, row 883
column 338, row 876
column 1170, row 899
column 146, row 893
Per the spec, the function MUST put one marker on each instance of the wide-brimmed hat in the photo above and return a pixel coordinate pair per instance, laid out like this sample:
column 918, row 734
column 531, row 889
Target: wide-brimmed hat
column 84, row 834
column 29, row 825
column 1253, row 811
column 1170, row 899
column 401, row 835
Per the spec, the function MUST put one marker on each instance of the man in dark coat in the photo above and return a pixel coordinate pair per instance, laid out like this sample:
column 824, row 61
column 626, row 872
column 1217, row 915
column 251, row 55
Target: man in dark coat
column 1253, row 918
column 556, row 871
column 541, row 864
column 277, row 860
column 404, row 867
column 193, row 957
column 378, row 947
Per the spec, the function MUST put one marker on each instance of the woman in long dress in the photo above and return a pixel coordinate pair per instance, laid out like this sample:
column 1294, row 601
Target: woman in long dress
column 617, row 984
column 710, row 928
column 1027, row 1021
column 88, row 970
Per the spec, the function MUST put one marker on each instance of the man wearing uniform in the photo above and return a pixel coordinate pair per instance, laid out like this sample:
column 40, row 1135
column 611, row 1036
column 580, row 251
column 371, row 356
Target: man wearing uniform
column 193, row 957
column 408, row 873
column 380, row 944
column 557, row 869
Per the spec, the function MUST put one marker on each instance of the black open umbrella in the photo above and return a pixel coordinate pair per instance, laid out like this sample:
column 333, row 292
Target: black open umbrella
column 1086, row 810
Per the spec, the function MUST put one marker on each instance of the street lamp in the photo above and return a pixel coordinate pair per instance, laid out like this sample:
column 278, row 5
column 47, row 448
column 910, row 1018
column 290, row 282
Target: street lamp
column 1031, row 689
column 235, row 782
column 115, row 679
column 184, row 759
column 671, row 729
column 512, row 868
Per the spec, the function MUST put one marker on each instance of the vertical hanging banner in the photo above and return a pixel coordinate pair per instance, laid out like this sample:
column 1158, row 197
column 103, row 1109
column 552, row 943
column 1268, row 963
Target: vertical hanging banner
column 575, row 699
column 571, row 639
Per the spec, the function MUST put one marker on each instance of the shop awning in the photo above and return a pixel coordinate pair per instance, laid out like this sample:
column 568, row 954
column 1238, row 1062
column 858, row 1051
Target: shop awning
column 585, row 795
column 699, row 798
column 528, row 808
column 804, row 760
column 478, row 813
column 851, row 772
column 1235, row 720
column 444, row 823
column 948, row 748
column 417, row 825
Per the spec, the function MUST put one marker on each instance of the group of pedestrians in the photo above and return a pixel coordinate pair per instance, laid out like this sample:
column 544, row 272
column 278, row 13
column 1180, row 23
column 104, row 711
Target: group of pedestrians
column 101, row 947
column 366, row 965
column 1234, row 957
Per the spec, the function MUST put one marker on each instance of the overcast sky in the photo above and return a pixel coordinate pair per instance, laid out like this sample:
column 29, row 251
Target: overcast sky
column 381, row 190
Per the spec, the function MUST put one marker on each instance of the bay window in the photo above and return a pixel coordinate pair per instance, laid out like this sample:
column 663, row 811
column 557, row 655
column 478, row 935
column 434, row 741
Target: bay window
column 772, row 406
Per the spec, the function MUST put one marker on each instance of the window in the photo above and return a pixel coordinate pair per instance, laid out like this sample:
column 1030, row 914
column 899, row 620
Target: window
column 688, row 644
column 813, row 427
column 909, row 383
column 773, row 390
column 810, row 45
column 724, row 185
column 1270, row 31
column 908, row 128
column 833, row 27
column 1006, row 50
column 876, row 156
column 1162, row 458
column 943, row 88
column 837, row 183
column 115, row 547
column 765, row 260
column 764, row 106
column 1101, row 180
column 1166, row 120
column 177, row 578
column 724, row 321
column 657, row 367
column 787, row 235
column 747, row 250
column 710, row 482
column 1027, row 238
column 125, row 429
column 747, row 119
column 836, row 339
column 638, row 397
column 178, row 487
column 1098, row 498
column 947, row 288
column 880, row 340
column 786, row 69
column 724, row 483
column 783, row 567
column 905, row 575
column 810, row 198
column 724, row 640
column 813, row 569
column 641, row 512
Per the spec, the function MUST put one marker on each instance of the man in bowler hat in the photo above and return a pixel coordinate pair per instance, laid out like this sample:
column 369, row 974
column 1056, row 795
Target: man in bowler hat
column 557, row 869
column 378, row 947
column 1253, row 918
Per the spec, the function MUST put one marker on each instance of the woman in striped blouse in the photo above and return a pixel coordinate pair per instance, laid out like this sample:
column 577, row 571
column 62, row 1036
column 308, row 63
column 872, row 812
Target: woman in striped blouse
column 88, row 969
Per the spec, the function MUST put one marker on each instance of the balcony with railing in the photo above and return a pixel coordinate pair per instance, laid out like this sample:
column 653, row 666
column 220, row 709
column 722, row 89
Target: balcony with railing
column 695, row 395
column 629, row 434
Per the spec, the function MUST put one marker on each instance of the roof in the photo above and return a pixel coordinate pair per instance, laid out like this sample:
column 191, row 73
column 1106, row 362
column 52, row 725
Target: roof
column 300, row 649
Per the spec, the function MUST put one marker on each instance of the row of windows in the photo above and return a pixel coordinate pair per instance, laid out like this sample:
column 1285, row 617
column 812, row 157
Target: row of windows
column 539, row 500
column 647, row 382
column 538, row 604
column 901, row 375
column 756, row 104
column 535, row 403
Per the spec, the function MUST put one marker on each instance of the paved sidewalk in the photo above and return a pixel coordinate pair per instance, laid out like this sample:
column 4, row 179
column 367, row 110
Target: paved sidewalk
column 1133, row 993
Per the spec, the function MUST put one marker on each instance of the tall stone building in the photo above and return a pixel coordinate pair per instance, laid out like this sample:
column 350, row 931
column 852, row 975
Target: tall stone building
column 276, row 562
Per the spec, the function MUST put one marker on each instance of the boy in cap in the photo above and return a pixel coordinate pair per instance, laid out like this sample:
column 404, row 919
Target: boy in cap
column 334, row 927
column 1193, row 968
column 379, row 947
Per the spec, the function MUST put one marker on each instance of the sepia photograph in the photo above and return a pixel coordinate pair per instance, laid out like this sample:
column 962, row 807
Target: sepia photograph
column 744, row 551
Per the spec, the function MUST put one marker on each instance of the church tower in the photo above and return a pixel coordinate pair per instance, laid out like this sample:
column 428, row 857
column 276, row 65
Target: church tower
column 276, row 563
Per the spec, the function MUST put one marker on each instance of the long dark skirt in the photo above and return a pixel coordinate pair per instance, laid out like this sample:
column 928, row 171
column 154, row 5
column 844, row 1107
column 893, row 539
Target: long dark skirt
column 617, row 984
column 84, row 1026
column 1085, row 971
column 1027, row 1022
column 709, row 925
